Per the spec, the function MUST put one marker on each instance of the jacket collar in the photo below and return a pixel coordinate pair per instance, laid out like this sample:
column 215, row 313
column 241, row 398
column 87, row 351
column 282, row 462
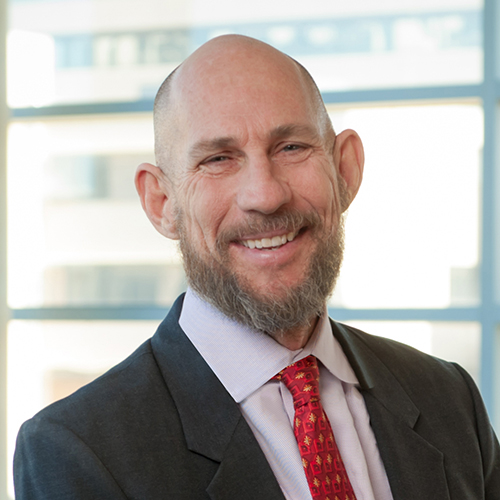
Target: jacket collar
column 415, row 468
column 212, row 422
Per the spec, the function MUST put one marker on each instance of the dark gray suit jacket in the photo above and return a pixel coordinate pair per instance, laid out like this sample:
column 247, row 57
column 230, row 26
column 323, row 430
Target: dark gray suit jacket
column 161, row 426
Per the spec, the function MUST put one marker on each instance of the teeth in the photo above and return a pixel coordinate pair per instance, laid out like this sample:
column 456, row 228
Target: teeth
column 275, row 241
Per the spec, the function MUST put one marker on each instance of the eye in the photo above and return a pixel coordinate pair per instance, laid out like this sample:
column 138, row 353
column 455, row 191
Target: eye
column 216, row 159
column 292, row 152
column 293, row 147
column 220, row 163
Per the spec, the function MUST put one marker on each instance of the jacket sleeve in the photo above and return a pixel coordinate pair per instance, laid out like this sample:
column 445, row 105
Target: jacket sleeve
column 490, row 449
column 52, row 463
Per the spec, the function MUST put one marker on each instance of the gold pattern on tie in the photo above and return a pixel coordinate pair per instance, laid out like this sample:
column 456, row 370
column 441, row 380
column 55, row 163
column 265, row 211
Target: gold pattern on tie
column 321, row 459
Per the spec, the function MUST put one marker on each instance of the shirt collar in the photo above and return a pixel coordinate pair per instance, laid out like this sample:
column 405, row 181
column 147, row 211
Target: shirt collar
column 245, row 359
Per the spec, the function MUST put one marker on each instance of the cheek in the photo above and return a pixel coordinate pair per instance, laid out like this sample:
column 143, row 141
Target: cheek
column 318, row 188
column 205, row 210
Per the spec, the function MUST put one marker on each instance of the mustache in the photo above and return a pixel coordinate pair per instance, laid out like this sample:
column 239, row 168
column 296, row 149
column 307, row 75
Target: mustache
column 287, row 220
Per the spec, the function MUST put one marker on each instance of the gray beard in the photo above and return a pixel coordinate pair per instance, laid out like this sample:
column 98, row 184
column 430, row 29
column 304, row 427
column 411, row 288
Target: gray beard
column 276, row 314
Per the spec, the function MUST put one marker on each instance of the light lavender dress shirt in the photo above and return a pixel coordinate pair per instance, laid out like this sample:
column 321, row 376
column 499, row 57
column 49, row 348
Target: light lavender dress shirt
column 245, row 361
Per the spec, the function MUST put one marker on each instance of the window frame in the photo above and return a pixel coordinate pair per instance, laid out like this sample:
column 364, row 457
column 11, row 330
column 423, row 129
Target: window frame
column 487, row 313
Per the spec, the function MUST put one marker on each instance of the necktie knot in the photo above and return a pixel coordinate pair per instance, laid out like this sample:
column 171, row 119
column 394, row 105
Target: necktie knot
column 301, row 379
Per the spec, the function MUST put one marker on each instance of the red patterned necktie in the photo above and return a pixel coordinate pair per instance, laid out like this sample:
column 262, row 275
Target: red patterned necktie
column 321, row 459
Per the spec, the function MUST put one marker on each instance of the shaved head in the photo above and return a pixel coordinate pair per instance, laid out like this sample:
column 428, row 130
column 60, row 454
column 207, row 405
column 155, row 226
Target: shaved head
column 163, row 126
column 219, row 58
column 253, row 181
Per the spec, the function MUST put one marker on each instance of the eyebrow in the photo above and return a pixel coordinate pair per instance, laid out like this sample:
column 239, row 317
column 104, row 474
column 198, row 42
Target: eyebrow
column 204, row 147
column 208, row 146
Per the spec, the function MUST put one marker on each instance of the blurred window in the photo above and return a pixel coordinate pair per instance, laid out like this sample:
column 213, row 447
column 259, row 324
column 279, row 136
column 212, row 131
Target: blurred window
column 89, row 277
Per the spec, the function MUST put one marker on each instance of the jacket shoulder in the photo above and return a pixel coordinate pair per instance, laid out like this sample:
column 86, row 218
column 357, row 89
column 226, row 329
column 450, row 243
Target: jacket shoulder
column 444, row 407
column 130, row 380
column 404, row 361
column 122, row 432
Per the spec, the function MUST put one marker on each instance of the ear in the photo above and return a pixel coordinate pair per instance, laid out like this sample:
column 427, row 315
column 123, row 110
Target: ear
column 349, row 157
column 154, row 189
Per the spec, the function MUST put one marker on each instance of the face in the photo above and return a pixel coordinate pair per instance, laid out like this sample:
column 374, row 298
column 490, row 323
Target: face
column 256, row 195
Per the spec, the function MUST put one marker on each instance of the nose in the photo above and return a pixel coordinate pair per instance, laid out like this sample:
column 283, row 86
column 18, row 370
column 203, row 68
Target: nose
column 263, row 187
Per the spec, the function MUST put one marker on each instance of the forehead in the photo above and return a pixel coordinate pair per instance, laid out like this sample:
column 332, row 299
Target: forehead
column 247, row 94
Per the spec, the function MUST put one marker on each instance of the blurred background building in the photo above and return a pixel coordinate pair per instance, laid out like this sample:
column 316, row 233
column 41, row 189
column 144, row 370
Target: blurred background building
column 84, row 278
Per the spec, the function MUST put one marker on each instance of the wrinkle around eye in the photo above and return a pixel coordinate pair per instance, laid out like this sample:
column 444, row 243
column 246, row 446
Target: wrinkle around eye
column 218, row 164
column 294, row 153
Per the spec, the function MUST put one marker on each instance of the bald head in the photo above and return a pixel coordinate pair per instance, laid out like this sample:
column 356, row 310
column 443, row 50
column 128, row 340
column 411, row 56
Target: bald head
column 253, row 182
column 235, row 62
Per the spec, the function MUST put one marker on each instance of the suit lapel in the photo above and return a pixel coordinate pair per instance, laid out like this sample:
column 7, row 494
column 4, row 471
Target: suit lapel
column 212, row 422
column 414, row 467
column 242, row 474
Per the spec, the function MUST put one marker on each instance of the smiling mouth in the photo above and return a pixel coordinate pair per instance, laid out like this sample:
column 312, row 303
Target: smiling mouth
column 270, row 243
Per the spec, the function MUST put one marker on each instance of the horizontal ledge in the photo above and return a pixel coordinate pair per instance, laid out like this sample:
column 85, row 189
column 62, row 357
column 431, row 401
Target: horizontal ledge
column 157, row 313
column 405, row 94
column 90, row 313
column 93, row 108
column 338, row 97
column 449, row 314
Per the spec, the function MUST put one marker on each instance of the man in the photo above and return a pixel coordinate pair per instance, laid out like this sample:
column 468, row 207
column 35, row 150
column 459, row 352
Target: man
column 253, row 181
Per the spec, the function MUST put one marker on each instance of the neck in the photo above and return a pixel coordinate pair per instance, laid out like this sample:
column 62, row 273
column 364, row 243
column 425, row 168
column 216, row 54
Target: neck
column 298, row 337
